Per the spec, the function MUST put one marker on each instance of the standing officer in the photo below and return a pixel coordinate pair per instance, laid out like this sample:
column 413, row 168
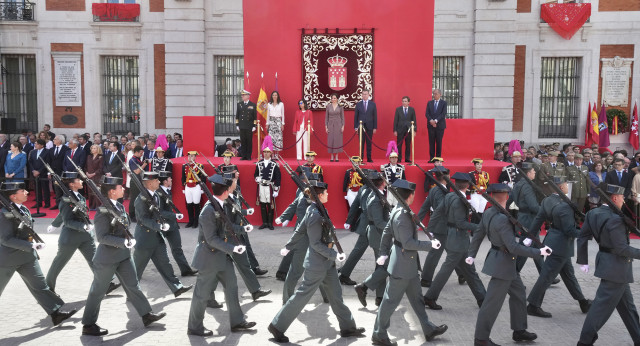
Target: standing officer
column 160, row 163
column 549, row 170
column 18, row 253
column 246, row 120
column 437, row 117
column 267, row 175
column 393, row 171
column 352, row 182
column 366, row 112
column 613, row 267
column 403, row 268
column 311, row 165
column 578, row 174
column 500, row 264
column 560, row 237
column 481, row 179
column 402, row 120
column 509, row 174
column 192, row 191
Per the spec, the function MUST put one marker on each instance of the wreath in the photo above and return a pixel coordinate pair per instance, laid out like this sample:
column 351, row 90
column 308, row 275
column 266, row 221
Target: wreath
column 617, row 120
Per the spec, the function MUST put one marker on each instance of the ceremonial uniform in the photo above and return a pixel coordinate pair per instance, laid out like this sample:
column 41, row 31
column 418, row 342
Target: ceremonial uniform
column 392, row 173
column 246, row 121
column 351, row 185
column 313, row 168
column 524, row 197
column 192, row 191
column 358, row 220
column 267, row 175
column 509, row 175
column 161, row 164
column 173, row 234
column 481, row 179
column 580, row 187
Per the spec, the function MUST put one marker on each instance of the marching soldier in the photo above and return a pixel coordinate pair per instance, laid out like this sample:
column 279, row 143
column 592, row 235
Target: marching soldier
column 246, row 121
column 352, row 182
column 392, row 172
column 560, row 237
column 137, row 166
column 456, row 214
column 212, row 258
column 114, row 256
column 481, row 179
column 613, row 267
column 159, row 163
column 403, row 268
column 320, row 269
column 173, row 234
column 509, row 174
column 192, row 191
column 437, row 162
column 267, row 175
column 578, row 174
column 18, row 253
column 500, row 264
column 524, row 197
column 314, row 167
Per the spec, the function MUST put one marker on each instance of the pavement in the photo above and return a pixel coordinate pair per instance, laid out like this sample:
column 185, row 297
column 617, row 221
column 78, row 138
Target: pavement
column 23, row 322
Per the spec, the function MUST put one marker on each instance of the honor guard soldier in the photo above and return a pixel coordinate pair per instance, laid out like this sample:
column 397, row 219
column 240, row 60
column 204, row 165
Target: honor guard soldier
column 561, row 238
column 246, row 121
column 613, row 267
column 500, row 264
column 226, row 159
column 523, row 195
column 437, row 162
column 352, row 182
column 113, row 256
column 212, row 257
column 403, row 268
column 159, row 163
column 456, row 214
column 173, row 234
column 320, row 269
column 481, row 179
column 392, row 172
column 18, row 253
column 267, row 175
column 314, row 167
column 509, row 174
column 549, row 170
column 192, row 191
column 578, row 174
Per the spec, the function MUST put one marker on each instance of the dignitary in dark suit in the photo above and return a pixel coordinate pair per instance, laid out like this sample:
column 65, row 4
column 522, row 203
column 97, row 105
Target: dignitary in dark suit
column 403, row 268
column 85, row 144
column 18, row 254
column 112, row 166
column 404, row 117
column 58, row 154
column 77, row 155
column 113, row 256
column 177, row 150
column 366, row 112
column 436, row 116
column 618, row 176
column 39, row 171
column 246, row 120
column 613, row 267
column 500, row 264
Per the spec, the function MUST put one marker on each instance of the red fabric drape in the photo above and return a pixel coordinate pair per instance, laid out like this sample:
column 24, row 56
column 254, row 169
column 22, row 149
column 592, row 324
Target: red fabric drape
column 125, row 12
column 565, row 19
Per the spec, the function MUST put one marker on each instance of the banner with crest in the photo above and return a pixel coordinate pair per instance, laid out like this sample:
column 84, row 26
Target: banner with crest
column 336, row 63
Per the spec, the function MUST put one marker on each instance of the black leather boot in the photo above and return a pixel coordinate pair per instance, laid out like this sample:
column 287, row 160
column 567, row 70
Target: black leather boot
column 265, row 216
column 189, row 215
column 270, row 212
column 196, row 215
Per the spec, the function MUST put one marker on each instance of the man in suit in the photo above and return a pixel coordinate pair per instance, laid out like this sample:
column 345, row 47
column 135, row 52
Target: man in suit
column 177, row 151
column 149, row 150
column 26, row 147
column 619, row 177
column 39, row 171
column 436, row 116
column 77, row 155
column 112, row 166
column 4, row 142
column 405, row 116
column 85, row 144
column 58, row 154
column 366, row 112
column 246, row 120
column 47, row 128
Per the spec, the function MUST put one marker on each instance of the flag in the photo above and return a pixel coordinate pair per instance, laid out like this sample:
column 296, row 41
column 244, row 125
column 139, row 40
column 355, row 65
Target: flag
column 594, row 125
column 634, row 139
column 262, row 110
column 604, row 131
column 591, row 135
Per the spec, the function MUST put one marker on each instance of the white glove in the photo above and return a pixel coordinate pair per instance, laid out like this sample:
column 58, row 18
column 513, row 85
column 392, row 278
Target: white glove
column 435, row 243
column 469, row 260
column 345, row 197
column 284, row 252
column 250, row 211
column 239, row 249
column 346, row 226
column 275, row 194
column 257, row 179
column 431, row 234
column 179, row 216
column 341, row 257
column 584, row 268
column 88, row 228
column 248, row 228
column 50, row 229
column 544, row 252
column 37, row 246
column 253, row 129
column 237, row 128
column 527, row 242
column 129, row 243
column 380, row 261
column 278, row 221
column 183, row 192
column 285, row 223
column 164, row 227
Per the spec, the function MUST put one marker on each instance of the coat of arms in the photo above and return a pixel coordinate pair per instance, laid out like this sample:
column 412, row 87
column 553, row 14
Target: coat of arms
column 337, row 73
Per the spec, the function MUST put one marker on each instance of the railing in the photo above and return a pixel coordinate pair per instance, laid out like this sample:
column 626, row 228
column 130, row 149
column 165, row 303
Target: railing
column 17, row 11
column 112, row 12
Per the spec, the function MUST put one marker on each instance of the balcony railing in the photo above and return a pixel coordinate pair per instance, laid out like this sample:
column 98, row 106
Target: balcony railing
column 17, row 11
column 111, row 12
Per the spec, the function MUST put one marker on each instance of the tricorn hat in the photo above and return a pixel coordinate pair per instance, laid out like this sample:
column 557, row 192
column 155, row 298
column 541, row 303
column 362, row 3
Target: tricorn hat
column 404, row 184
column 111, row 180
column 164, row 174
column 220, row 180
column 461, row 176
column 229, row 169
column 498, row 187
column 12, row 186
column 150, row 176
column 320, row 184
column 615, row 189
column 69, row 175
column 527, row 166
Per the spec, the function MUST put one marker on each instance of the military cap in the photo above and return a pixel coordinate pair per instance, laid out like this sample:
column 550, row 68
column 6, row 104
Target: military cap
column 404, row 184
column 439, row 170
column 192, row 152
column 477, row 160
column 69, row 175
column 374, row 175
column 12, row 186
column 527, row 166
column 559, row 179
column 553, row 153
column 579, row 156
column 461, row 176
column 310, row 153
column 393, row 154
column 229, row 169
column 150, row 176
column 111, row 180
column 356, row 158
column 245, row 92
column 160, row 149
column 545, row 155
column 498, row 187
column 228, row 153
column 320, row 184
column 220, row 180
column 615, row 189
column 516, row 153
column 164, row 174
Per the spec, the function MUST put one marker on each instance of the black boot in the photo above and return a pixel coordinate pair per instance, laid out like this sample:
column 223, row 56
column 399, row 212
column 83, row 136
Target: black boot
column 270, row 212
column 265, row 216
column 196, row 215
column 189, row 215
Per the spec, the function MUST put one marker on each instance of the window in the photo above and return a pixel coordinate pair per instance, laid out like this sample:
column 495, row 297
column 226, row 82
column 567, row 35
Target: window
column 17, row 10
column 120, row 94
column 19, row 93
column 229, row 81
column 559, row 97
column 447, row 76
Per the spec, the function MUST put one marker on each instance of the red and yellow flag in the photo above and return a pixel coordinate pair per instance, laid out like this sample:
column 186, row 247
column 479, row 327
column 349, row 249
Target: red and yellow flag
column 262, row 111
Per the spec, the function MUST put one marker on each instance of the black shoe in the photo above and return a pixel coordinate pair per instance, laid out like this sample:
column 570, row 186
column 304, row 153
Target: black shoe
column 361, row 290
column 369, row 160
column 214, row 304
column 152, row 317
column 189, row 225
column 278, row 336
column 489, row 342
column 357, row 332
column 243, row 326
column 94, row 330
column 536, row 311
column 259, row 271
column 205, row 332
column 480, row 302
column 523, row 335
column 281, row 276
column 54, row 207
column 382, row 341
column 259, row 293
column 47, row 206
column 345, row 280
column 263, row 226
column 461, row 280
column 378, row 301
column 431, row 304
column 190, row 272
column 425, row 283
column 182, row 290
column 271, row 227
column 555, row 281
column 585, row 304
column 112, row 287
column 438, row 331
column 58, row 316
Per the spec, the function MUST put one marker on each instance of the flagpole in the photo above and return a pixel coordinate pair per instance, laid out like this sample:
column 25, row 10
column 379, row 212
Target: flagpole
column 276, row 81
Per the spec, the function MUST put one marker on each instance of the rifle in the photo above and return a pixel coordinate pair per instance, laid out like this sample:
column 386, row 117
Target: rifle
column 213, row 202
column 564, row 197
column 371, row 185
column 462, row 196
column 117, row 216
column 292, row 173
column 237, row 192
column 79, row 209
column 523, row 230
column 168, row 200
column 535, row 187
column 26, row 224
column 153, row 207
column 432, row 179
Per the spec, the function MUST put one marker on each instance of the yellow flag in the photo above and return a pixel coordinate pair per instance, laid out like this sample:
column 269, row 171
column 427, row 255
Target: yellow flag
column 262, row 109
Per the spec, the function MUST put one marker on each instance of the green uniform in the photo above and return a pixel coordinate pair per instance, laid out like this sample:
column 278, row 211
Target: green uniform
column 173, row 234
column 580, row 186
column 548, row 171
column 357, row 216
column 287, row 215
column 378, row 216
column 525, row 198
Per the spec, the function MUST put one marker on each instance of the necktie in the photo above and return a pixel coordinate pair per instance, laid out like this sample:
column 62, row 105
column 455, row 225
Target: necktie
column 111, row 159
column 365, row 106
column 57, row 150
column 553, row 165
column 620, row 177
column 38, row 154
column 405, row 111
column 72, row 151
column 436, row 105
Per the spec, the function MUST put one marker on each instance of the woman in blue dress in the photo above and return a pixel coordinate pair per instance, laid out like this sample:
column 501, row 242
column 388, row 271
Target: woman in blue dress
column 15, row 163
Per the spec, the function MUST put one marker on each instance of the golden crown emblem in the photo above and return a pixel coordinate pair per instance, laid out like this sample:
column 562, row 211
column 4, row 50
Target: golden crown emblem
column 337, row 61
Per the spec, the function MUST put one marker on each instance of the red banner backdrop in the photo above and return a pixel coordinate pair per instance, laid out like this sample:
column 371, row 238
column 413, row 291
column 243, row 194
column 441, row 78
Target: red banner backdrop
column 565, row 19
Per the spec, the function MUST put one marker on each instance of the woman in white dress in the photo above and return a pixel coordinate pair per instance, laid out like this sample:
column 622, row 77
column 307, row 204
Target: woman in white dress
column 275, row 121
